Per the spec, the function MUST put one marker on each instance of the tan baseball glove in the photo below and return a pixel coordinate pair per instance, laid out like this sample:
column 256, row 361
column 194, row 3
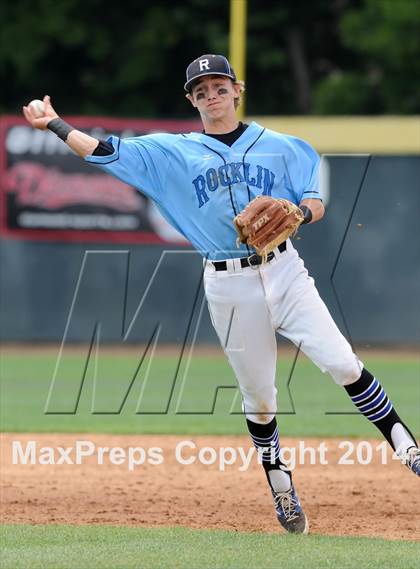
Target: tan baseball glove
column 266, row 222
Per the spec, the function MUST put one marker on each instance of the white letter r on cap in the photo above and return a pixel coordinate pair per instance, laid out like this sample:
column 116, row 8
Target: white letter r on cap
column 204, row 64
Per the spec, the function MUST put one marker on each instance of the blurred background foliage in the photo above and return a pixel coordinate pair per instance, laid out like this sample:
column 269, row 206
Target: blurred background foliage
column 129, row 58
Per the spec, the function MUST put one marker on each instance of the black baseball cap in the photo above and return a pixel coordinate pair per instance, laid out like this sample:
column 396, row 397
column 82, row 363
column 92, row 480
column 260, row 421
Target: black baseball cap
column 209, row 64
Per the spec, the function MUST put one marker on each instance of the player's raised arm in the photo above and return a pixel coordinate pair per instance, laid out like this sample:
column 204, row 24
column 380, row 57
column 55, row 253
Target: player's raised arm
column 42, row 115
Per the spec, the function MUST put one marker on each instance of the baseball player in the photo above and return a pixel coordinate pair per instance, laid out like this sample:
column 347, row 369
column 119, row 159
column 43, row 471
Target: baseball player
column 202, row 181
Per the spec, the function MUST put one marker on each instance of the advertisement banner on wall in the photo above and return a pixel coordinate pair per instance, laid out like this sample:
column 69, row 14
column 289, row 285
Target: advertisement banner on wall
column 49, row 193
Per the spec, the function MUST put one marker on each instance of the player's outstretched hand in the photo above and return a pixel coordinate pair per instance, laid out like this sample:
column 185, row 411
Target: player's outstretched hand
column 40, row 121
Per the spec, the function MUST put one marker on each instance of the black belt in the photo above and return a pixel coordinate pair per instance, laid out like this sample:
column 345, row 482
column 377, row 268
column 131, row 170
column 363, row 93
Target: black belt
column 252, row 261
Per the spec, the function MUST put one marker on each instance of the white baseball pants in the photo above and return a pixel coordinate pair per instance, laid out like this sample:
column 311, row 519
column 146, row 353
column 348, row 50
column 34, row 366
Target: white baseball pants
column 248, row 306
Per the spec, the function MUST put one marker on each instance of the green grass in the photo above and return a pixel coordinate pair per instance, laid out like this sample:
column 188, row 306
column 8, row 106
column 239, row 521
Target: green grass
column 89, row 547
column 26, row 378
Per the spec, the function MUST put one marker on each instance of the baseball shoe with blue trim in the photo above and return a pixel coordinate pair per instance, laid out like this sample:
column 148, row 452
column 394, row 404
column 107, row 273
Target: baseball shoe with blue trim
column 289, row 511
column 412, row 460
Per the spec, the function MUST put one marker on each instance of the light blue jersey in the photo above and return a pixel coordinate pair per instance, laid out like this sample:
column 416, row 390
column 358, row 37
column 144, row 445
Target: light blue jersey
column 199, row 183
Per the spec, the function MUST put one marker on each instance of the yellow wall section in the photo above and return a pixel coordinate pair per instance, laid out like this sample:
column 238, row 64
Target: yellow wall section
column 376, row 135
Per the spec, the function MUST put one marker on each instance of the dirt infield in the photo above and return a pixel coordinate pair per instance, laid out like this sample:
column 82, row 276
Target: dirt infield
column 363, row 500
